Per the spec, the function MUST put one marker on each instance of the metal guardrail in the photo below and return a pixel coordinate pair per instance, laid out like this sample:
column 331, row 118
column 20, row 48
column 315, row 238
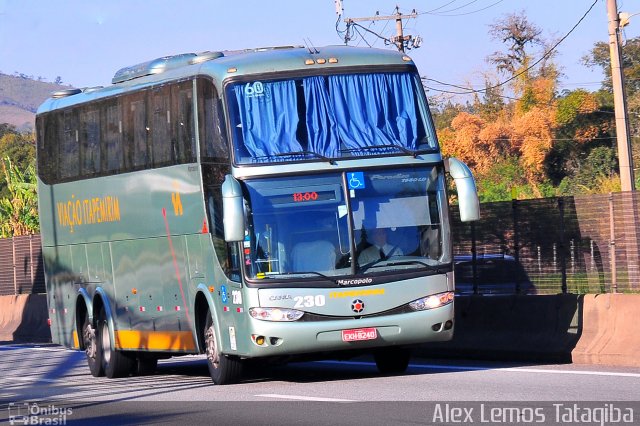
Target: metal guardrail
column 21, row 267
column 587, row 244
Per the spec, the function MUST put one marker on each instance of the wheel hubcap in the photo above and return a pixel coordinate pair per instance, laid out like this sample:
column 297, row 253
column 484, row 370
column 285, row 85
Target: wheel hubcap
column 89, row 338
column 212, row 352
column 106, row 343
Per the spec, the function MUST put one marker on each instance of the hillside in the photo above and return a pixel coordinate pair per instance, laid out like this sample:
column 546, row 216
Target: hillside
column 20, row 98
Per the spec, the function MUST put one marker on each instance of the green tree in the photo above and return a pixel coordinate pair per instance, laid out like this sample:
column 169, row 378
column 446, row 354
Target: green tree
column 20, row 147
column 19, row 211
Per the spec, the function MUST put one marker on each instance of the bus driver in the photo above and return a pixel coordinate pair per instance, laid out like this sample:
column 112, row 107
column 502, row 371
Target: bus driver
column 380, row 249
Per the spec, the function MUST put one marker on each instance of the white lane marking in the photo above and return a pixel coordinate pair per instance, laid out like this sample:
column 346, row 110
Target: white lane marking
column 38, row 348
column 27, row 379
column 507, row 369
column 304, row 398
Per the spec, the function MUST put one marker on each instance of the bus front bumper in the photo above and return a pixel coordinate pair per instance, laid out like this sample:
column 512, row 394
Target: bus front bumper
column 300, row 337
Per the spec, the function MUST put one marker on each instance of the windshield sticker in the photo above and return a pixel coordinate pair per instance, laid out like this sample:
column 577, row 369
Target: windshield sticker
column 356, row 293
column 232, row 339
column 254, row 90
column 355, row 180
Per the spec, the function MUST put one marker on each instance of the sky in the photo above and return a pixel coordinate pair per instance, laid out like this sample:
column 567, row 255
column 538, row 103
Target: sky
column 86, row 41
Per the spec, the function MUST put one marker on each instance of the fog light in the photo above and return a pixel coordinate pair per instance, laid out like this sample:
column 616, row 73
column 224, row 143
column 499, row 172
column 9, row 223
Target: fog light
column 448, row 325
column 259, row 340
column 436, row 327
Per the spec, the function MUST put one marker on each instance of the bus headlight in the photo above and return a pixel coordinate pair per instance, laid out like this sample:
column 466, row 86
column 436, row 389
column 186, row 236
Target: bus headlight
column 275, row 314
column 433, row 301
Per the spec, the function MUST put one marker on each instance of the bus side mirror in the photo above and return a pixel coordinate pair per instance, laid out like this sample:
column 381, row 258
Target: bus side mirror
column 232, row 209
column 468, row 202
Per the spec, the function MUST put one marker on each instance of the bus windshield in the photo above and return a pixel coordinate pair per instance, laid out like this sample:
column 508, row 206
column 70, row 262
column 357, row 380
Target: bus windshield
column 325, row 117
column 340, row 224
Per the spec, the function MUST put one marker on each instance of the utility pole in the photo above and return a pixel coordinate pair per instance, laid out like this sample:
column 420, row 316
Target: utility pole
column 400, row 40
column 620, row 100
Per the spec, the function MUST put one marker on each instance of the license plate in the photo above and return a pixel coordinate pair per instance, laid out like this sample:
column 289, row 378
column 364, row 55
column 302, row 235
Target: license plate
column 359, row 334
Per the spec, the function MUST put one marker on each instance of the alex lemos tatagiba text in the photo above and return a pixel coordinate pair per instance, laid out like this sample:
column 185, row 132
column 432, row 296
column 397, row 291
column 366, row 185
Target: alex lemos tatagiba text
column 607, row 413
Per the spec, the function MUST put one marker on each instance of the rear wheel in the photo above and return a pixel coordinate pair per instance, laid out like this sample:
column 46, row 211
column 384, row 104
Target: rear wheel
column 392, row 360
column 222, row 368
column 92, row 348
column 114, row 362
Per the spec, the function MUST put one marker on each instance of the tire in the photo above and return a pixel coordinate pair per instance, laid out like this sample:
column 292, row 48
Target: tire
column 392, row 360
column 92, row 348
column 114, row 362
column 223, row 369
column 145, row 365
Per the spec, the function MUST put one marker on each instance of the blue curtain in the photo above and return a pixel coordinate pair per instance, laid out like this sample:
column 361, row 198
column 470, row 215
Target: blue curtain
column 320, row 118
column 374, row 109
column 269, row 117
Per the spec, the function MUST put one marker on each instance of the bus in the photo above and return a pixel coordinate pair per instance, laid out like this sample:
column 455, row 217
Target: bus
column 266, row 204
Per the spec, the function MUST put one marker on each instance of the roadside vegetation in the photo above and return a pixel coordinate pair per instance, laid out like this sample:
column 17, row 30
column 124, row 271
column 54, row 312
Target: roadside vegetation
column 521, row 134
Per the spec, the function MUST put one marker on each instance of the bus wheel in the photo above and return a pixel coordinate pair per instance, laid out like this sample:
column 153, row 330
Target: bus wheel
column 114, row 362
column 145, row 365
column 223, row 369
column 92, row 348
column 392, row 360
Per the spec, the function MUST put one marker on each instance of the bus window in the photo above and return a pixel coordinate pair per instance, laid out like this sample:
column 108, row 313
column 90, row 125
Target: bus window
column 211, row 122
column 135, row 130
column 320, row 117
column 69, row 149
column 183, row 132
column 159, row 125
column 90, row 141
column 112, row 127
column 47, row 143
column 227, row 253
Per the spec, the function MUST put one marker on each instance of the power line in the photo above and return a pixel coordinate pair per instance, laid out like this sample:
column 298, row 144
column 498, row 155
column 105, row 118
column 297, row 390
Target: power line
column 444, row 13
column 543, row 57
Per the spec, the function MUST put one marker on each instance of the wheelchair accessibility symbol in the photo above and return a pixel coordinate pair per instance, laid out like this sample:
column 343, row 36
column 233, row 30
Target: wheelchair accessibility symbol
column 355, row 180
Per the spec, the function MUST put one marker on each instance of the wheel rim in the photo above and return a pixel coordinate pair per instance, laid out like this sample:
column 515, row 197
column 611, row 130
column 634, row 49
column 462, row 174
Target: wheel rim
column 212, row 352
column 90, row 344
column 106, row 343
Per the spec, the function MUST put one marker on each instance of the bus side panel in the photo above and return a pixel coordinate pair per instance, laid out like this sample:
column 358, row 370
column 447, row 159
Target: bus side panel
column 151, row 276
column 61, row 294
column 95, row 263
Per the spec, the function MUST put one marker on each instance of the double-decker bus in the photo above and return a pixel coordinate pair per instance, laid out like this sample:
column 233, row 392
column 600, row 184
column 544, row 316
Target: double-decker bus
column 266, row 203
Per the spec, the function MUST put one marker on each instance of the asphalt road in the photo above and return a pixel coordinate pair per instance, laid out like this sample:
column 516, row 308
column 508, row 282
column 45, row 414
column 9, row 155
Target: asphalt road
column 54, row 385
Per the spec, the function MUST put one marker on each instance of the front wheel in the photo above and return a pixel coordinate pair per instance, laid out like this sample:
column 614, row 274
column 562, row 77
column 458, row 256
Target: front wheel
column 223, row 369
column 392, row 360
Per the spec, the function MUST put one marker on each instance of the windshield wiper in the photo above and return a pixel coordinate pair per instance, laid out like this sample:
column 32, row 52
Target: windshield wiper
column 378, row 263
column 414, row 154
column 326, row 277
column 315, row 154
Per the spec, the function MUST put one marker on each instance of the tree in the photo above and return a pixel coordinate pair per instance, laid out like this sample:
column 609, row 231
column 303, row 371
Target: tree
column 20, row 147
column 19, row 211
column 515, row 31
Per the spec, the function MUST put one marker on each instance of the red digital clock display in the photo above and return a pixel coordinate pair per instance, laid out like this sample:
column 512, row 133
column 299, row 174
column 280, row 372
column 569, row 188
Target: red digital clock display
column 301, row 197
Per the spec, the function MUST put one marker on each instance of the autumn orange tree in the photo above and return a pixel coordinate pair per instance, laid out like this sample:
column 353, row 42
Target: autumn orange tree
column 536, row 142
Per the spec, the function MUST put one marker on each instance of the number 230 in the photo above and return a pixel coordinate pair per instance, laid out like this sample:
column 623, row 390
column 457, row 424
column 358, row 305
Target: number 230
column 309, row 301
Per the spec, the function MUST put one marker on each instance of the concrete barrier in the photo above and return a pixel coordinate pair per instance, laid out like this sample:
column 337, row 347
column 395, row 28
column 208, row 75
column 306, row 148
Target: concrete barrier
column 512, row 328
column 610, row 330
column 23, row 318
